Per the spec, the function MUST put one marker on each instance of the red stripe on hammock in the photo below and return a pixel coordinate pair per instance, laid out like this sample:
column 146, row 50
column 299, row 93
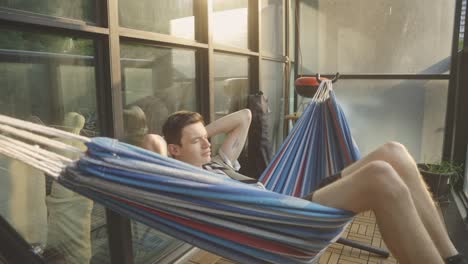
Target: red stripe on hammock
column 225, row 233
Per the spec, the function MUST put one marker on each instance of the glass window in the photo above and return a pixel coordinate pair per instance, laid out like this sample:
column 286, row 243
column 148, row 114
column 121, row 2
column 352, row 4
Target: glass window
column 171, row 17
column 231, row 87
column 367, row 36
column 408, row 111
column 156, row 82
column 78, row 9
column 50, row 79
column 272, row 87
column 272, row 26
column 230, row 20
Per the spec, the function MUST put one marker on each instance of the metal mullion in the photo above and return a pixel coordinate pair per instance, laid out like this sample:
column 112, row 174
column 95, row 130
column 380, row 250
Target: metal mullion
column 272, row 57
column 389, row 76
column 452, row 91
column 10, row 25
column 56, row 94
column 233, row 50
column 158, row 44
column 254, row 44
column 34, row 20
column 44, row 57
column 460, row 127
column 254, row 71
column 100, row 15
column 118, row 226
column 159, row 38
column 287, row 21
column 204, row 60
column 115, row 69
column 296, row 46
column 287, row 65
column 210, row 93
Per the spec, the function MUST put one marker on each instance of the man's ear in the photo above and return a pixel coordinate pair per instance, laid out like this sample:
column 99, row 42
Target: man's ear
column 173, row 149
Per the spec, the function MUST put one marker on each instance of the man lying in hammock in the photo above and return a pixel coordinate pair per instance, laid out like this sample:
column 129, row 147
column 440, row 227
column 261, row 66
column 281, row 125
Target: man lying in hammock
column 386, row 181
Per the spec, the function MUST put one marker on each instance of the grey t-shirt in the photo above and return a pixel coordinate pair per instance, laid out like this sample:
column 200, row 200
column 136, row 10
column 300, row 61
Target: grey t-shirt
column 220, row 164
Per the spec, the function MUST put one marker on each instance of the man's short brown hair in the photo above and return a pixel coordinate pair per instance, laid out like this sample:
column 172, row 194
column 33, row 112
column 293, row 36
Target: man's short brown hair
column 172, row 128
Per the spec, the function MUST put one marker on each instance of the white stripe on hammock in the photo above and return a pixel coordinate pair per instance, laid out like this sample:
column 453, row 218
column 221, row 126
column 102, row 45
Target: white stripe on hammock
column 39, row 139
column 15, row 154
column 55, row 158
column 49, row 131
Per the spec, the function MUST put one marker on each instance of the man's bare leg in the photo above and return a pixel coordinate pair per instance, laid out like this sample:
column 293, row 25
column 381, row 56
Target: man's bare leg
column 376, row 186
column 405, row 166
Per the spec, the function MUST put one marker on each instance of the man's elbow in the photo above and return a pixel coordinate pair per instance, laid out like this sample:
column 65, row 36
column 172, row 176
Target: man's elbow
column 246, row 117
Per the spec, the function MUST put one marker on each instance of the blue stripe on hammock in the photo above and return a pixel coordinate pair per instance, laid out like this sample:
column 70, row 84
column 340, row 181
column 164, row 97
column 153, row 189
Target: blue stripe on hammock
column 266, row 199
column 224, row 247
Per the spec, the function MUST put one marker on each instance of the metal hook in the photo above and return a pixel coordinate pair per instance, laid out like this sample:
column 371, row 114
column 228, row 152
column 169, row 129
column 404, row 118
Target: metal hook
column 317, row 76
column 335, row 78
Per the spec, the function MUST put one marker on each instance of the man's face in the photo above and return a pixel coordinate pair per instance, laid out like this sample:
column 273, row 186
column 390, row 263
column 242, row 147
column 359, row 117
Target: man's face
column 195, row 148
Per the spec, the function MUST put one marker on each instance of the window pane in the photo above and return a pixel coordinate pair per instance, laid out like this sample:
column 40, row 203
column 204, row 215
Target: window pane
column 367, row 36
column 171, row 17
column 50, row 79
column 411, row 112
column 272, row 86
column 230, row 21
column 232, row 88
column 77, row 9
column 272, row 26
column 156, row 82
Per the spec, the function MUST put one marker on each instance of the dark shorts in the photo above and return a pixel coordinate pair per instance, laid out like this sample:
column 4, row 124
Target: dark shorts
column 326, row 181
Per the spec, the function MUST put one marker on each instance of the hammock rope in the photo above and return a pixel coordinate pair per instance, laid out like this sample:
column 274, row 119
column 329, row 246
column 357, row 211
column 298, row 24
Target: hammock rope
column 229, row 218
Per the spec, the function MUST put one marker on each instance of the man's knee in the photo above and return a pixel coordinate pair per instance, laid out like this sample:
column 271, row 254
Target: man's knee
column 383, row 182
column 394, row 148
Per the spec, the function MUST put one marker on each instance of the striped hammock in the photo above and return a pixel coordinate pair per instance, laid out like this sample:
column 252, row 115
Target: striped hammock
column 232, row 219
column 319, row 145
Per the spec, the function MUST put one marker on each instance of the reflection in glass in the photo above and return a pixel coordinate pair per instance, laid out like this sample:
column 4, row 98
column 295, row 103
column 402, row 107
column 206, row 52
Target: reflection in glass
column 272, row 26
column 230, row 21
column 50, row 79
column 231, row 87
column 171, row 17
column 410, row 112
column 78, row 9
column 367, row 36
column 156, row 82
column 272, row 87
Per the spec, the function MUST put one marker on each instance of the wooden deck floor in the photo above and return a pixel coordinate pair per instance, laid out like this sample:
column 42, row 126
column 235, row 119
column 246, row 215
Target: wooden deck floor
column 363, row 229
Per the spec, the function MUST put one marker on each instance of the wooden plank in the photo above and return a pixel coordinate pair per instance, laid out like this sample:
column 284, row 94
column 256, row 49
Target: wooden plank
column 204, row 257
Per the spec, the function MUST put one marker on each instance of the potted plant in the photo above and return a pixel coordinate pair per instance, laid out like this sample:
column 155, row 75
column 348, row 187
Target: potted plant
column 441, row 177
